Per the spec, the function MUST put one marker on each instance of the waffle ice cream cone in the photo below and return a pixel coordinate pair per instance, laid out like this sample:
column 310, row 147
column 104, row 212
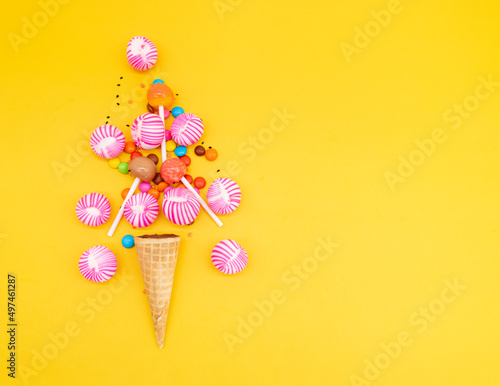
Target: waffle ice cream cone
column 157, row 257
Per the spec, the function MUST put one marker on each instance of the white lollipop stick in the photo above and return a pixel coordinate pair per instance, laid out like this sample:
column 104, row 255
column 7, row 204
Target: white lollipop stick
column 203, row 203
column 161, row 112
column 122, row 208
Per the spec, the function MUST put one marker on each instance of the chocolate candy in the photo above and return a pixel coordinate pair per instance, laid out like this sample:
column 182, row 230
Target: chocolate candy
column 199, row 150
column 143, row 168
column 151, row 109
column 153, row 158
column 157, row 179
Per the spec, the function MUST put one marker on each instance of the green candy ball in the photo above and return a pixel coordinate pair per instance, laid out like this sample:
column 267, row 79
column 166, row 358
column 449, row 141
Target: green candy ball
column 123, row 167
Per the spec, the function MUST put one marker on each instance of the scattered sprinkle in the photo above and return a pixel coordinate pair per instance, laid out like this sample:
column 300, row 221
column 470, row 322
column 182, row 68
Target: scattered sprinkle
column 107, row 116
column 177, row 94
column 190, row 234
column 121, row 77
column 118, row 84
column 129, row 101
column 118, row 96
column 128, row 125
column 210, row 147
column 202, row 143
column 106, row 123
column 117, row 103
column 142, row 85
column 144, row 291
column 218, row 170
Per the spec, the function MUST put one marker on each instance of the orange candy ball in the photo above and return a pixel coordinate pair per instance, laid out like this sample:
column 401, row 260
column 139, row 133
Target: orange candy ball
column 200, row 182
column 211, row 154
column 135, row 154
column 130, row 147
column 125, row 192
column 189, row 178
column 154, row 192
column 161, row 186
column 186, row 160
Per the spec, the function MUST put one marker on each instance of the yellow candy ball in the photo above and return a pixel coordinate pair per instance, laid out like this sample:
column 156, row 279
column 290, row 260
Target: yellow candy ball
column 113, row 163
column 171, row 145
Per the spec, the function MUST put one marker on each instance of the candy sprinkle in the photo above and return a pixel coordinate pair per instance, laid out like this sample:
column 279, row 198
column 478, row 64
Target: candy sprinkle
column 129, row 101
column 142, row 85
column 190, row 234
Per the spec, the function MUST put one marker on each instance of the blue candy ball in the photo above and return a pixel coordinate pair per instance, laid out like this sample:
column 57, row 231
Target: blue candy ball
column 158, row 81
column 176, row 111
column 128, row 241
column 180, row 151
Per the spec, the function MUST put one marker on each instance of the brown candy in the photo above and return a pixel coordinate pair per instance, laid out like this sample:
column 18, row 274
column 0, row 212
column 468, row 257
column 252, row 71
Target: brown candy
column 151, row 109
column 154, row 158
column 199, row 150
column 157, row 179
column 143, row 168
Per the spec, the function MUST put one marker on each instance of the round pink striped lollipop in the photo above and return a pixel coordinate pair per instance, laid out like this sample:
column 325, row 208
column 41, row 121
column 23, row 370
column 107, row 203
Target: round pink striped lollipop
column 97, row 264
column 224, row 196
column 186, row 129
column 141, row 53
column 107, row 141
column 229, row 257
column 141, row 210
column 180, row 206
column 93, row 209
column 148, row 131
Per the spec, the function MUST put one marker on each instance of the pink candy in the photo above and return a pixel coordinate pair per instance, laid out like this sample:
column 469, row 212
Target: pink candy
column 224, row 196
column 141, row 53
column 141, row 210
column 180, row 206
column 107, row 141
column 186, row 129
column 93, row 209
column 229, row 257
column 98, row 264
column 148, row 131
column 144, row 186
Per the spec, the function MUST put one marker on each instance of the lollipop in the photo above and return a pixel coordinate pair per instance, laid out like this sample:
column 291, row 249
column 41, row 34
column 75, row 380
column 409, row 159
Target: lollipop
column 93, row 209
column 180, row 206
column 141, row 53
column 224, row 196
column 186, row 129
column 148, row 131
column 97, row 264
column 141, row 210
column 142, row 168
column 159, row 97
column 173, row 170
column 107, row 141
column 229, row 257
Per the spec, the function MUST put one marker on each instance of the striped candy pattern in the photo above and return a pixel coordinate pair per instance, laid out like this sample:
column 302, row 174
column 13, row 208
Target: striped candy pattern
column 98, row 264
column 141, row 53
column 224, row 196
column 107, row 141
column 148, row 131
column 141, row 210
column 93, row 209
column 229, row 257
column 186, row 129
column 180, row 206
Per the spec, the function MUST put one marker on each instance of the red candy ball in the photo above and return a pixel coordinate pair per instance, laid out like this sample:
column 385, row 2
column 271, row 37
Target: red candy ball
column 200, row 182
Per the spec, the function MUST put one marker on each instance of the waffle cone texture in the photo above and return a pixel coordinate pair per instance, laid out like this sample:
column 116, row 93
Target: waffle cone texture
column 157, row 258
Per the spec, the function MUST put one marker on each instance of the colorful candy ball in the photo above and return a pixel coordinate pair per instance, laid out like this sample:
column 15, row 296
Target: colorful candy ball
column 98, row 264
column 168, row 135
column 123, row 167
column 107, row 141
column 224, row 196
column 144, row 186
column 176, row 111
column 141, row 53
column 172, row 170
column 141, row 210
column 93, row 209
column 180, row 206
column 229, row 257
column 148, row 131
column 180, row 151
column 186, row 129
column 114, row 162
column 128, row 241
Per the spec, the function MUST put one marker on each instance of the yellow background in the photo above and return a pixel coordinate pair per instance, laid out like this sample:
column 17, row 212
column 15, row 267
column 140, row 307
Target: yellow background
column 322, row 176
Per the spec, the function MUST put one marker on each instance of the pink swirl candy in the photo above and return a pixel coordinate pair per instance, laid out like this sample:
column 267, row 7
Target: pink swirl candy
column 107, row 141
column 229, row 257
column 141, row 210
column 148, row 131
column 141, row 53
column 186, row 129
column 224, row 196
column 180, row 206
column 93, row 209
column 98, row 264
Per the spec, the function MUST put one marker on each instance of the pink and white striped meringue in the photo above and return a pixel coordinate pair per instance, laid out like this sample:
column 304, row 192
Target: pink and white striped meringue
column 186, row 129
column 93, row 209
column 224, row 196
column 141, row 53
column 97, row 264
column 107, row 141
column 229, row 257
column 148, row 131
column 141, row 210
column 180, row 206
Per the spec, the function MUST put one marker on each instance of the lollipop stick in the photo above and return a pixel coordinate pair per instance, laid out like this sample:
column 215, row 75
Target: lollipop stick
column 120, row 212
column 203, row 203
column 161, row 111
